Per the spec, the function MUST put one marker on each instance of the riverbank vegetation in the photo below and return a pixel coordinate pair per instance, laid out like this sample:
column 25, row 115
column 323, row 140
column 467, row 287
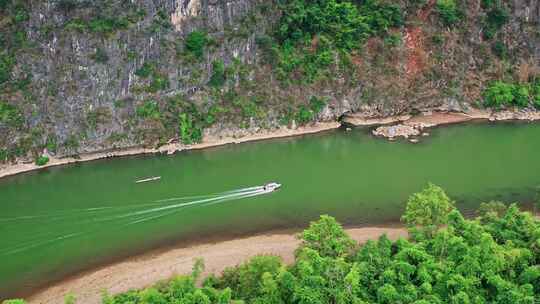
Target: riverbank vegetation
column 501, row 94
column 492, row 258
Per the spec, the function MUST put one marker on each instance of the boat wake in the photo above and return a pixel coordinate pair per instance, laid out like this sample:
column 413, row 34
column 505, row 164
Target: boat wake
column 121, row 216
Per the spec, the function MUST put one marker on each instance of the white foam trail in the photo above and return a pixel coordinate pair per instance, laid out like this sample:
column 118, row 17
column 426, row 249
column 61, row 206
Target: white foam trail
column 180, row 208
column 187, row 197
column 24, row 248
column 74, row 212
column 212, row 200
column 235, row 195
column 244, row 189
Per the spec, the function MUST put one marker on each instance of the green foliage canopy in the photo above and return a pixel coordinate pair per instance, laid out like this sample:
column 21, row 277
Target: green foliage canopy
column 427, row 210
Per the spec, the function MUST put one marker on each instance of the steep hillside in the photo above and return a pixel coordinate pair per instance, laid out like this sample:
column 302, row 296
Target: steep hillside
column 83, row 76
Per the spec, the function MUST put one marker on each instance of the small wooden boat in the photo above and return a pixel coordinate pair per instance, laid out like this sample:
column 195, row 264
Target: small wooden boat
column 150, row 179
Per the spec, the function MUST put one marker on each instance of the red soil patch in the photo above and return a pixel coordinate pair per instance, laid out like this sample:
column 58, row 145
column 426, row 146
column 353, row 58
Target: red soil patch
column 414, row 41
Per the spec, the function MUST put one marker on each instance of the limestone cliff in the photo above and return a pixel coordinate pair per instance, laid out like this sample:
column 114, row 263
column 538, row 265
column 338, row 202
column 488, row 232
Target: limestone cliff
column 83, row 76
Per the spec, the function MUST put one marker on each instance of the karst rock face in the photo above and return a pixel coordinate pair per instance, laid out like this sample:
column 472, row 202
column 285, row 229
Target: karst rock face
column 88, row 76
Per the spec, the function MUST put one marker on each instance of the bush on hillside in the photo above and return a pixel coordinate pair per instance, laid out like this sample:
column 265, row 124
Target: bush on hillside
column 10, row 115
column 196, row 41
column 496, row 18
column 218, row 74
column 149, row 109
column 499, row 94
column 448, row 12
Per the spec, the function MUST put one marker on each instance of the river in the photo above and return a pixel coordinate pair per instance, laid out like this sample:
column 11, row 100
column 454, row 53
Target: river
column 61, row 220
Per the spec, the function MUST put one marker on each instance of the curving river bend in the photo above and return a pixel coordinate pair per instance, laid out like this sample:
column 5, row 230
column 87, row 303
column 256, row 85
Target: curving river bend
column 61, row 220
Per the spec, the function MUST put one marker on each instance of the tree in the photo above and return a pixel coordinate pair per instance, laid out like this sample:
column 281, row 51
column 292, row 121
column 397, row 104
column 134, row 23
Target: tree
column 327, row 237
column 427, row 210
column 491, row 209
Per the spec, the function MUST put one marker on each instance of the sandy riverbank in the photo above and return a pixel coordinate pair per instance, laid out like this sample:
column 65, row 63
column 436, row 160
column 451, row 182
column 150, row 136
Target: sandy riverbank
column 441, row 118
column 142, row 271
column 424, row 120
column 411, row 126
column 172, row 148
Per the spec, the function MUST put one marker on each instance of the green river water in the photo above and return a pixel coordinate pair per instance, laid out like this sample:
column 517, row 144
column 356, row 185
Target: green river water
column 58, row 221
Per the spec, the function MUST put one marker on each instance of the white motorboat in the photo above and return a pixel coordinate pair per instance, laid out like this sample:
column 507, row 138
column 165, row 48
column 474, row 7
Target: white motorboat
column 271, row 187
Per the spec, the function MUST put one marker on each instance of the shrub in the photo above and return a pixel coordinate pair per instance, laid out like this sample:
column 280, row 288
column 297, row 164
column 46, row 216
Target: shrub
column 496, row 18
column 146, row 70
column 20, row 13
column 42, row 160
column 159, row 82
column 106, row 26
column 189, row 131
column 499, row 94
column 76, row 25
column 317, row 104
column 149, row 109
column 218, row 74
column 536, row 94
column 51, row 144
column 10, row 115
column 448, row 11
column 4, row 154
column 304, row 115
column 160, row 22
column 196, row 41
column 499, row 49
column 392, row 40
column 521, row 95
column 6, row 65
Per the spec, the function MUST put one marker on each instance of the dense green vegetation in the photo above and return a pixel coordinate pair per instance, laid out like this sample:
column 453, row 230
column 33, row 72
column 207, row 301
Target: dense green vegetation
column 497, row 16
column 149, row 109
column 447, row 259
column 42, row 160
column 190, row 131
column 10, row 115
column 218, row 74
column 105, row 25
column 196, row 41
column 448, row 11
column 500, row 94
column 311, row 33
